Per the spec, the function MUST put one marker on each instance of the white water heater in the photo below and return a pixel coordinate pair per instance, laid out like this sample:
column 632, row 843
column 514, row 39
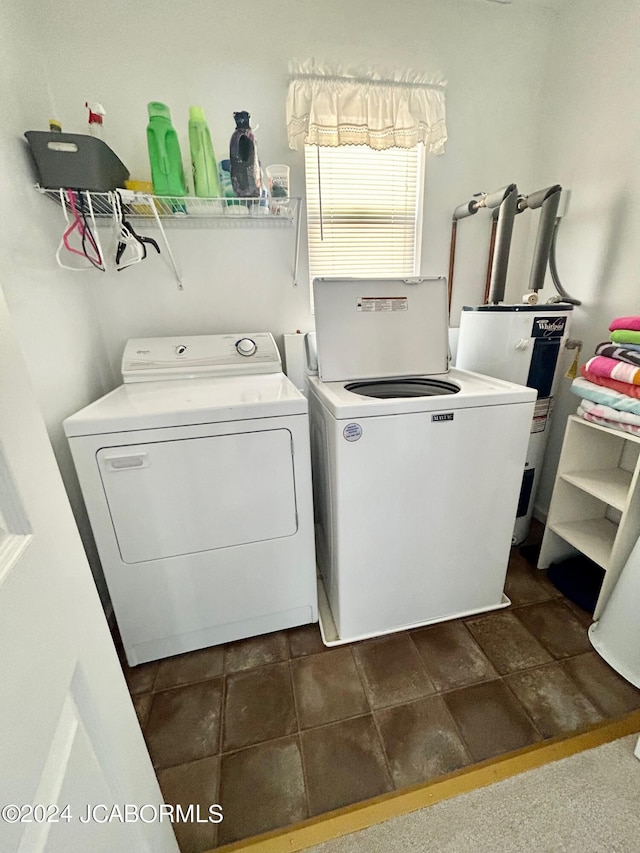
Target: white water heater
column 522, row 344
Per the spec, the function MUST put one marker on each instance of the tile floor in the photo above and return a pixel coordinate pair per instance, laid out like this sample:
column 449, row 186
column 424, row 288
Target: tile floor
column 278, row 728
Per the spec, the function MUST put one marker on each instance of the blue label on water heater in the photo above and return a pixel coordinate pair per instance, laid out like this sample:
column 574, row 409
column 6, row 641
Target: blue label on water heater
column 352, row 432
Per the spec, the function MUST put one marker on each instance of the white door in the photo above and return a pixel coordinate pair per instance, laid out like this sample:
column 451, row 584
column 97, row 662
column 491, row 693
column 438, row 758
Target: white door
column 74, row 770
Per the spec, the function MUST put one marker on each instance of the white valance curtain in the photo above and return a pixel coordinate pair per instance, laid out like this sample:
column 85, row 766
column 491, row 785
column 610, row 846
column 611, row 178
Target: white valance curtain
column 332, row 107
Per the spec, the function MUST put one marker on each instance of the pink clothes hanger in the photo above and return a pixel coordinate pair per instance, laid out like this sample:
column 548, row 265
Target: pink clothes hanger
column 77, row 225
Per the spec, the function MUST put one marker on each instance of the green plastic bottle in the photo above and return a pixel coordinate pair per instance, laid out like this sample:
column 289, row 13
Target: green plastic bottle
column 203, row 161
column 164, row 152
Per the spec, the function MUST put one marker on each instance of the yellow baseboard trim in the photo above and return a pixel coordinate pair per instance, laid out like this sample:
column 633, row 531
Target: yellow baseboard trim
column 359, row 816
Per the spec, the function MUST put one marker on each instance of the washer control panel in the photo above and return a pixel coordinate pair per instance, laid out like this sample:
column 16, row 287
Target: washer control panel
column 146, row 359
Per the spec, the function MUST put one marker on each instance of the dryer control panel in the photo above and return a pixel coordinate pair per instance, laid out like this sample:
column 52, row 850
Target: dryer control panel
column 241, row 353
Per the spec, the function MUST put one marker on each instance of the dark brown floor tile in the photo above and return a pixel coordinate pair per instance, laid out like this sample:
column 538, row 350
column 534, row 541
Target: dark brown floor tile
column 451, row 656
column 184, row 723
column 553, row 700
column 200, row 665
column 193, row 786
column 258, row 706
column 490, row 720
column 602, row 685
column 305, row 640
column 261, row 788
column 525, row 584
column 142, row 704
column 583, row 616
column 327, row 688
column 140, row 679
column 507, row 643
column 256, row 651
column 421, row 741
column 556, row 627
column 344, row 764
column 536, row 532
column 391, row 671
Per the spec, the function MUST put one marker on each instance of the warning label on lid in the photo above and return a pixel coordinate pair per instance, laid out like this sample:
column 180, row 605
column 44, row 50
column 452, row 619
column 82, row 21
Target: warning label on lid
column 382, row 303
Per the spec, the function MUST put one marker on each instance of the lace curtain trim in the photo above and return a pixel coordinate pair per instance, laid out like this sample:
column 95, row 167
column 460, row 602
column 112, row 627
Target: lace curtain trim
column 335, row 106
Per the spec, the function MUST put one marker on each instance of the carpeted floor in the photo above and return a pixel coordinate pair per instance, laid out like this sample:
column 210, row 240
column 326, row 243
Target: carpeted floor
column 587, row 803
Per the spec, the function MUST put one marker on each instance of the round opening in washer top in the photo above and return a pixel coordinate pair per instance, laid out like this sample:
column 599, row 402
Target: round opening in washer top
column 384, row 389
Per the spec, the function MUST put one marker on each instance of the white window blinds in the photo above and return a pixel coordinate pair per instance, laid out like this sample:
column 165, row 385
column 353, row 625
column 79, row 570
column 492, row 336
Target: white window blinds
column 364, row 210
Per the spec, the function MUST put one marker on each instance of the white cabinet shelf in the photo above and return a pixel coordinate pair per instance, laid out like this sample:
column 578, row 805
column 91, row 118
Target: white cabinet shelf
column 595, row 507
column 593, row 537
column 609, row 485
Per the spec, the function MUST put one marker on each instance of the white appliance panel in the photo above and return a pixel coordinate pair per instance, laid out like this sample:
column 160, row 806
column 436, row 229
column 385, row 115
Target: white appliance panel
column 151, row 359
column 475, row 390
column 176, row 604
column 184, row 496
column 416, row 515
column 182, row 402
column 496, row 344
column 377, row 328
column 502, row 341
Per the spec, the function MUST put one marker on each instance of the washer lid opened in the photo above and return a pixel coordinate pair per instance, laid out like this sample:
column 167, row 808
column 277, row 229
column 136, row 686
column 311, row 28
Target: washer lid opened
column 374, row 328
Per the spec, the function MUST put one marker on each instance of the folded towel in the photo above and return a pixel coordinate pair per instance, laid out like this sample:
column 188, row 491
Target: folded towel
column 634, row 429
column 600, row 365
column 628, row 323
column 605, row 382
column 630, row 353
column 597, row 394
column 625, row 336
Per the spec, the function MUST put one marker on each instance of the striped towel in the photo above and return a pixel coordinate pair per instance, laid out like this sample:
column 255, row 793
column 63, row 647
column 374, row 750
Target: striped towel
column 611, row 368
column 628, row 323
column 612, row 423
column 630, row 354
column 625, row 336
column 607, row 396
column 605, row 382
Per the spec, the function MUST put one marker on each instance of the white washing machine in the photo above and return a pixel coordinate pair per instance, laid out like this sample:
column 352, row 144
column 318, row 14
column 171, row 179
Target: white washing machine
column 198, row 489
column 417, row 468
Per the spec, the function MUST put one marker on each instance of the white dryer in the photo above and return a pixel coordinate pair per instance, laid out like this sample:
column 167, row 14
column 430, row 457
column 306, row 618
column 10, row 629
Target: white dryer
column 198, row 489
column 417, row 468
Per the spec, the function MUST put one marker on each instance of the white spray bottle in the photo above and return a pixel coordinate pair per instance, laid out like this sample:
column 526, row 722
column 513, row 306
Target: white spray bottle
column 96, row 114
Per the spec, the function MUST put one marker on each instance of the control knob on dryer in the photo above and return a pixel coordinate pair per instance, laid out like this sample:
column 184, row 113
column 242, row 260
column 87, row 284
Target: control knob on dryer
column 246, row 347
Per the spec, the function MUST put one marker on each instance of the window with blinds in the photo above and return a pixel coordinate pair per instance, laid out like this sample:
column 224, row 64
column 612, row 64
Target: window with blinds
column 364, row 210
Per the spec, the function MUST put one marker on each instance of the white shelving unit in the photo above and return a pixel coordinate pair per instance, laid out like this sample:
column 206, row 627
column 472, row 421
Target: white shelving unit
column 595, row 507
column 190, row 212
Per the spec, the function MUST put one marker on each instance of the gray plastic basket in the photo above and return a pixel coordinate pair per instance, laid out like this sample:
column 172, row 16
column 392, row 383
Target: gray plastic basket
column 75, row 160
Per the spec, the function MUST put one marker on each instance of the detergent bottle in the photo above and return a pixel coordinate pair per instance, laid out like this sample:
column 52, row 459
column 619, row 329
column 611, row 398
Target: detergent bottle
column 243, row 153
column 164, row 152
column 203, row 161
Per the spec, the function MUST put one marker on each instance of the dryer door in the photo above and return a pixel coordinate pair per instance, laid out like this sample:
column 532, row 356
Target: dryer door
column 178, row 497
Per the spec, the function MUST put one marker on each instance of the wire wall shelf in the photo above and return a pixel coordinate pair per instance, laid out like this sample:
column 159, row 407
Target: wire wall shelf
column 189, row 211
column 105, row 208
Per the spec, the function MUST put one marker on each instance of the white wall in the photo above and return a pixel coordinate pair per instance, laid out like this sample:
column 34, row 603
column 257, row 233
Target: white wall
column 590, row 142
column 228, row 57
column 53, row 312
column 534, row 97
